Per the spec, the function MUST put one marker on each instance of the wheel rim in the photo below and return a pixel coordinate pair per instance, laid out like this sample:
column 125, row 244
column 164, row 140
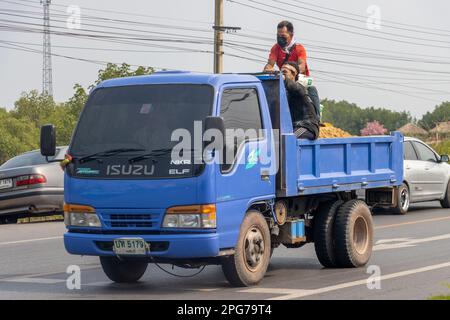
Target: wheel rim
column 360, row 235
column 254, row 247
column 404, row 199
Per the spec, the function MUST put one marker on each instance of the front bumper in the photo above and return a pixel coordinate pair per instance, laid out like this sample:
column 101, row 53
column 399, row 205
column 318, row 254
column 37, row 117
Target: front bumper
column 174, row 246
column 32, row 200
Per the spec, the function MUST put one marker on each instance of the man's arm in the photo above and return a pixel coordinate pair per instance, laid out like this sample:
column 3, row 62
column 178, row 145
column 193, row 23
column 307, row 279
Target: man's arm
column 272, row 60
column 301, row 53
column 269, row 66
column 294, row 88
column 302, row 65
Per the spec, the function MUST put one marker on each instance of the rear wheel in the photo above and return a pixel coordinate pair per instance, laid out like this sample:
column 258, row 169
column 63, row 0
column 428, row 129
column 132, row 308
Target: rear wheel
column 249, row 263
column 323, row 233
column 445, row 203
column 403, row 199
column 353, row 233
column 123, row 271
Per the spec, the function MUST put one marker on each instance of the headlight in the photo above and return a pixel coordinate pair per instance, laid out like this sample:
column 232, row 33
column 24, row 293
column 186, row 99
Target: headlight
column 80, row 216
column 197, row 216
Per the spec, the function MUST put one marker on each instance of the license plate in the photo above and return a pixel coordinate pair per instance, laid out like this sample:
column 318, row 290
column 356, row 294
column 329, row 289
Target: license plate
column 130, row 246
column 6, row 183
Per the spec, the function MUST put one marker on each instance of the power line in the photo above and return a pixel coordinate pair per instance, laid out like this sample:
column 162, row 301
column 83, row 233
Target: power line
column 133, row 14
column 331, row 27
column 364, row 18
column 358, row 15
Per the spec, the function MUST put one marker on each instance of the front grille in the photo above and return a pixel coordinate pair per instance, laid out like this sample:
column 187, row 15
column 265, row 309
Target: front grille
column 131, row 220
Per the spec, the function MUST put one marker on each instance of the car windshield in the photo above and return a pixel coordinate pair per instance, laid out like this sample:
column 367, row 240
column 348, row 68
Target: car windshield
column 32, row 159
column 139, row 117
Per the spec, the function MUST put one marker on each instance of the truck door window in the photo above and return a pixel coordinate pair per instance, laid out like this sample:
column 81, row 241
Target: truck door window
column 409, row 152
column 240, row 110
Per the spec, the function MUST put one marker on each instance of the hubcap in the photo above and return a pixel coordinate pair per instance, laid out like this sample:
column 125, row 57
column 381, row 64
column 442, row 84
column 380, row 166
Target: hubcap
column 360, row 235
column 404, row 199
column 254, row 248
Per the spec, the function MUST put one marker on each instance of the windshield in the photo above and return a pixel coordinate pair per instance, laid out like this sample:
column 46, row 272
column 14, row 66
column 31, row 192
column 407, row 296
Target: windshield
column 121, row 122
column 32, row 159
column 141, row 117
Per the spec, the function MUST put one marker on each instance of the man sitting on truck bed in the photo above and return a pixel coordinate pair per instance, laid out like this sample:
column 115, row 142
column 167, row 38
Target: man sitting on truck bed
column 288, row 49
column 305, row 119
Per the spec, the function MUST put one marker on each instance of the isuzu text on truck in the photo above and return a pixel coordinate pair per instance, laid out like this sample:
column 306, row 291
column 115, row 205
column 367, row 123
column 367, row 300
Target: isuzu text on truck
column 128, row 201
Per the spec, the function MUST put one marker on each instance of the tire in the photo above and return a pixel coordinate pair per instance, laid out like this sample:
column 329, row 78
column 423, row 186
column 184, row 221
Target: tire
column 404, row 200
column 353, row 233
column 123, row 271
column 445, row 203
column 245, row 268
column 323, row 233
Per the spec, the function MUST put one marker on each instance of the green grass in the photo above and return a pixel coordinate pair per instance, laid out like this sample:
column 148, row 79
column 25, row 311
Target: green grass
column 441, row 297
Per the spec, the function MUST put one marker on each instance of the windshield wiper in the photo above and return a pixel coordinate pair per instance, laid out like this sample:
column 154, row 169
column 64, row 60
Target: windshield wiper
column 151, row 154
column 107, row 153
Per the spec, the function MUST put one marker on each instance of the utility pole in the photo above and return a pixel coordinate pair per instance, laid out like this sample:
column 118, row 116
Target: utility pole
column 47, row 82
column 219, row 29
column 218, row 37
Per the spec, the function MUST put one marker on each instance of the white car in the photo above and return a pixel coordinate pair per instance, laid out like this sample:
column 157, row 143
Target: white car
column 426, row 176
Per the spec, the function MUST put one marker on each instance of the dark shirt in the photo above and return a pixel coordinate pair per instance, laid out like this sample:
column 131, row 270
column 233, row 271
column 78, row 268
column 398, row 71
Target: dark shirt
column 302, row 109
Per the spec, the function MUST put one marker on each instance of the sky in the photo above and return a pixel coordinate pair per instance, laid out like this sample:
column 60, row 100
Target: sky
column 391, row 54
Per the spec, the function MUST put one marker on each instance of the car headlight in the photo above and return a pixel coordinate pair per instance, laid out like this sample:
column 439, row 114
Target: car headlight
column 196, row 216
column 80, row 216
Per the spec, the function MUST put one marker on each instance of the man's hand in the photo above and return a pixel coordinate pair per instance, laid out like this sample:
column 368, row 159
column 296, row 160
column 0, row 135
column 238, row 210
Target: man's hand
column 269, row 66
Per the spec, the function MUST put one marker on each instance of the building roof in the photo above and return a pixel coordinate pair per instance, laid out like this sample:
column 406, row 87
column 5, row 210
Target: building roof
column 411, row 129
column 441, row 127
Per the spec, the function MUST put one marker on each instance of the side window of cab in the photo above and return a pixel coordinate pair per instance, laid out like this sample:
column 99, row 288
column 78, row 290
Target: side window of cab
column 240, row 110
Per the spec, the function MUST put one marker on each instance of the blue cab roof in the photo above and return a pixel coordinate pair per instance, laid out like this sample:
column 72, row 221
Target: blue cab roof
column 172, row 77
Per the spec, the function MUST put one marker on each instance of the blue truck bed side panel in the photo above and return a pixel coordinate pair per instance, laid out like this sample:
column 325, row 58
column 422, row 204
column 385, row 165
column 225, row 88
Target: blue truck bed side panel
column 343, row 164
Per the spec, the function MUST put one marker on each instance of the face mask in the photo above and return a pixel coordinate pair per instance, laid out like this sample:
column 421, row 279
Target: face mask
column 282, row 42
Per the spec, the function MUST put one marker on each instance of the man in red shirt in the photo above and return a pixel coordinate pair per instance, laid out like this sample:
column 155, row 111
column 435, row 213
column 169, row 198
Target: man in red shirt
column 287, row 49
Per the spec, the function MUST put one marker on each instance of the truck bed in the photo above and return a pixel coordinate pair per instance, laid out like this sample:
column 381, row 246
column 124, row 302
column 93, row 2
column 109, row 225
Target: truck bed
column 339, row 164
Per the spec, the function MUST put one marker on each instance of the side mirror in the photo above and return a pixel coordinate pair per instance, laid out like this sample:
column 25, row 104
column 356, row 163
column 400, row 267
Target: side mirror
column 216, row 123
column 444, row 158
column 48, row 140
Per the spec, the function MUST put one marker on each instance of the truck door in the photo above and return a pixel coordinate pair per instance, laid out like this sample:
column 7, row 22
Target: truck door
column 412, row 168
column 433, row 176
column 244, row 177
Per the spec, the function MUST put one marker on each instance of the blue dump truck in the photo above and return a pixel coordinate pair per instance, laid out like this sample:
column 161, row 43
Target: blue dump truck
column 129, row 202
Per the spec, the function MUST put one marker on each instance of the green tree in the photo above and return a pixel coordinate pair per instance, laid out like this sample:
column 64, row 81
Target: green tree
column 119, row 71
column 441, row 113
column 352, row 118
column 16, row 136
column 34, row 107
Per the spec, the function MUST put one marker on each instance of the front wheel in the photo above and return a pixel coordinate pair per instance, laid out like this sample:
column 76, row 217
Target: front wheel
column 353, row 232
column 123, row 271
column 251, row 258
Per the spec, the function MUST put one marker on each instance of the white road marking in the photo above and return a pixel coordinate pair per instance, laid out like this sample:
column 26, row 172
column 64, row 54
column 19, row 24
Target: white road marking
column 410, row 222
column 207, row 289
column 35, row 280
column 38, row 275
column 98, row 284
column 386, row 244
column 29, row 240
column 287, row 294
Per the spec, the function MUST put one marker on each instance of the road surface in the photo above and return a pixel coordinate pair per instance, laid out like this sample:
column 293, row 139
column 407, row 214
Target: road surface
column 411, row 254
